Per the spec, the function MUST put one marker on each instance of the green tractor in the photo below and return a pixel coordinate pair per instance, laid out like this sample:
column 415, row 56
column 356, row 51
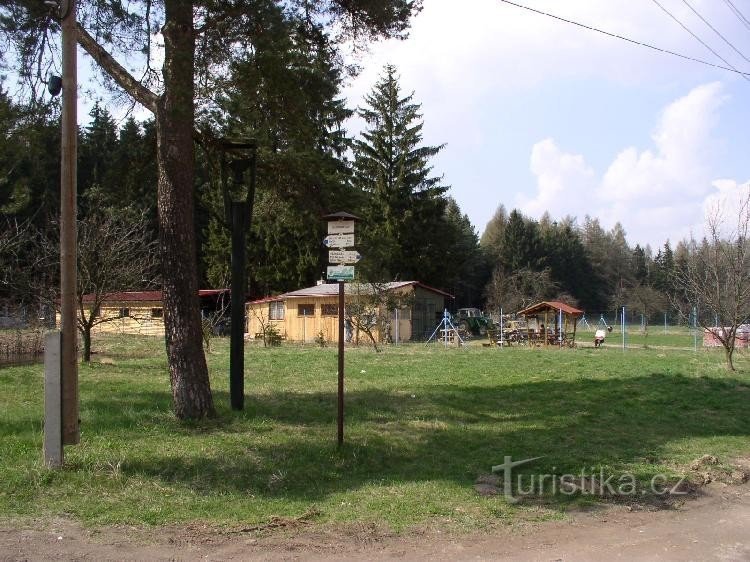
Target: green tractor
column 472, row 322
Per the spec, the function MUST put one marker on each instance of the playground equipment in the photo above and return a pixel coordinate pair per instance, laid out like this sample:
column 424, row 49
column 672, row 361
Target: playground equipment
column 449, row 334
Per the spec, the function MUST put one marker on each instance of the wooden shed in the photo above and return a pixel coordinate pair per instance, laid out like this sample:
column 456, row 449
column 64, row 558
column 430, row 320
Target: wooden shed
column 305, row 314
column 142, row 312
column 551, row 322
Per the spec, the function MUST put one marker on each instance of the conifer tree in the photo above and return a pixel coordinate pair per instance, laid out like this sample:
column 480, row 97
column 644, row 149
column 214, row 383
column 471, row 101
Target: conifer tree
column 404, row 205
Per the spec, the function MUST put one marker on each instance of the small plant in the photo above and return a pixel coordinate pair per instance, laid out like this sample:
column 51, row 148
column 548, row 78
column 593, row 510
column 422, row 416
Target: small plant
column 271, row 336
column 320, row 339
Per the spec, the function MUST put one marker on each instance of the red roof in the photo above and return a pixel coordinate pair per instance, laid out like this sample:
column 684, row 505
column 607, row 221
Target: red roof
column 267, row 299
column 551, row 305
column 147, row 296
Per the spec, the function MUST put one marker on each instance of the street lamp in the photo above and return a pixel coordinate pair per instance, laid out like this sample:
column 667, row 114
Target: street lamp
column 237, row 157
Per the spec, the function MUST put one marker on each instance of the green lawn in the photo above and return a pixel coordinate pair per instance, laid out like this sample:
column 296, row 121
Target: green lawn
column 422, row 423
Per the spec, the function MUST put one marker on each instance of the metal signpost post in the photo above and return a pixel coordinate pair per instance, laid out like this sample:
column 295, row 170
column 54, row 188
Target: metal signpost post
column 238, row 217
column 340, row 237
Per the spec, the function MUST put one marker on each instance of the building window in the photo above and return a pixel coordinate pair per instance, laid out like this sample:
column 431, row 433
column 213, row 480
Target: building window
column 276, row 310
column 157, row 313
column 330, row 310
column 305, row 310
column 124, row 312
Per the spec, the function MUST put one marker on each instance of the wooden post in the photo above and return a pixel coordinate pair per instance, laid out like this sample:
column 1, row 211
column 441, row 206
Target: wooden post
column 341, row 366
column 68, row 231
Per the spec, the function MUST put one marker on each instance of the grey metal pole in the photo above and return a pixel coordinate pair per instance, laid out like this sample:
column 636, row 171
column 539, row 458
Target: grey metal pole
column 68, row 231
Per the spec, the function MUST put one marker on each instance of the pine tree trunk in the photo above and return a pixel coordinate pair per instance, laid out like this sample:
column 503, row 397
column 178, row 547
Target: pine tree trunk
column 188, row 372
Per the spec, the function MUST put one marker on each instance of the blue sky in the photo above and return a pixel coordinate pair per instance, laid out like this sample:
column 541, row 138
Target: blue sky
column 540, row 115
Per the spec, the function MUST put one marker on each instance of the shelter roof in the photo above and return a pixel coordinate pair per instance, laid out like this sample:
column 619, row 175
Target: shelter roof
column 555, row 306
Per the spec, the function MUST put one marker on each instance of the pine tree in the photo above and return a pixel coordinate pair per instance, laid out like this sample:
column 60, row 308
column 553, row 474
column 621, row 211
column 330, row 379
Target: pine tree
column 404, row 208
column 492, row 237
column 286, row 99
column 522, row 245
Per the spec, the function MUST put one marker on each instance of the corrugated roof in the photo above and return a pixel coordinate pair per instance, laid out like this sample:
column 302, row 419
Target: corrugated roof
column 551, row 305
column 332, row 289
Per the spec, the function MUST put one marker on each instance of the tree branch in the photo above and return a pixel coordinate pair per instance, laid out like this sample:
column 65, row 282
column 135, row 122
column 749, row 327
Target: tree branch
column 124, row 79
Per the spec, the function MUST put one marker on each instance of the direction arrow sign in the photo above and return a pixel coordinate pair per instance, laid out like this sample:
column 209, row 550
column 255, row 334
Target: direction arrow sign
column 340, row 272
column 339, row 240
column 343, row 256
column 341, row 227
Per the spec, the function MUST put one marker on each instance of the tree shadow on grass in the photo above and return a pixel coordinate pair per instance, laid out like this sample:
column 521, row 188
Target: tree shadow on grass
column 447, row 433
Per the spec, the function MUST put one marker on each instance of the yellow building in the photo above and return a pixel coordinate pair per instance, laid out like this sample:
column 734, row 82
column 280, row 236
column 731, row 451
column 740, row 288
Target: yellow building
column 142, row 312
column 306, row 314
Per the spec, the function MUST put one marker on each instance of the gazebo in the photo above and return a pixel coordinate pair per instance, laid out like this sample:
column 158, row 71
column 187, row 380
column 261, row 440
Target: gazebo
column 552, row 322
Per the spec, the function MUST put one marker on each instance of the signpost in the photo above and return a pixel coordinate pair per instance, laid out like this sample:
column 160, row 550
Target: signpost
column 341, row 237
column 341, row 226
column 339, row 240
column 343, row 256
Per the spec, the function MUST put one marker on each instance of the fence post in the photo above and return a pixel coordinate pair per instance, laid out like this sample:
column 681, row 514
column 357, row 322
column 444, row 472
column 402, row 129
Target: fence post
column 53, row 446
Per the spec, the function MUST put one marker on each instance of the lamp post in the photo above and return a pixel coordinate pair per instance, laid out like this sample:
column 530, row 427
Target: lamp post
column 237, row 157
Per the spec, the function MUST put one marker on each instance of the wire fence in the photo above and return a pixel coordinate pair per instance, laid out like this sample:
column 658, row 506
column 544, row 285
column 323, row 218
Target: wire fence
column 659, row 329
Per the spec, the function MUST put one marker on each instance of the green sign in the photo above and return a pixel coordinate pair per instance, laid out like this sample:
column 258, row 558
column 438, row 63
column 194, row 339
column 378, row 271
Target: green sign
column 340, row 272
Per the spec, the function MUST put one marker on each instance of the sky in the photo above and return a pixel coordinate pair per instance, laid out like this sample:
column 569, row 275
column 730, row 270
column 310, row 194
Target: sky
column 541, row 116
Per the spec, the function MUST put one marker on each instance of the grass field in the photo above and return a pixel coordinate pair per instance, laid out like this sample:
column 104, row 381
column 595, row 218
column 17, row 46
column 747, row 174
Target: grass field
column 422, row 423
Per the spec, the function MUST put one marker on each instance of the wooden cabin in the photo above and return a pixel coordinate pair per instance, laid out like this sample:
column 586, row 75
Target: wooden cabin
column 305, row 314
column 551, row 323
column 142, row 312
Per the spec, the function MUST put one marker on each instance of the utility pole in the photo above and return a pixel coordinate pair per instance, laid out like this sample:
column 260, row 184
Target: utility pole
column 68, row 231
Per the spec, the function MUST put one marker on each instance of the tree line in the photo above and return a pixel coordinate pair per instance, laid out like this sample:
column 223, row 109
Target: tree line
column 308, row 166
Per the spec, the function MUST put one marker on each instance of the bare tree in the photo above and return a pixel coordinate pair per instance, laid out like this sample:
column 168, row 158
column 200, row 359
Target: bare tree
column 369, row 308
column 116, row 253
column 715, row 276
column 646, row 300
column 519, row 289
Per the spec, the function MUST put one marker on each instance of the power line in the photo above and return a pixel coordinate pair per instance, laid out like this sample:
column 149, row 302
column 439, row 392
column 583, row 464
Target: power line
column 736, row 50
column 683, row 26
column 736, row 12
column 647, row 45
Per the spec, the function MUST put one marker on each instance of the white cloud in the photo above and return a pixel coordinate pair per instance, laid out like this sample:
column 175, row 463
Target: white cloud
column 556, row 172
column 657, row 193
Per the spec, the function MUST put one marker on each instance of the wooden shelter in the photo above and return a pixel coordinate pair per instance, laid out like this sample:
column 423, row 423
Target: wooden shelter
column 551, row 323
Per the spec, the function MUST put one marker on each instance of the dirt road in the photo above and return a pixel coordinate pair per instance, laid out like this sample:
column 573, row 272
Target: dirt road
column 716, row 526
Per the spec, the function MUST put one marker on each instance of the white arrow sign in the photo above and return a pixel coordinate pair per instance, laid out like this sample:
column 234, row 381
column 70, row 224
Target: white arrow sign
column 343, row 256
column 341, row 227
column 339, row 240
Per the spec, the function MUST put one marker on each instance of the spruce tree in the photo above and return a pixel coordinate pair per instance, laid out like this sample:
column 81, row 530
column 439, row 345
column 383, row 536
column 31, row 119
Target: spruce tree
column 404, row 205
